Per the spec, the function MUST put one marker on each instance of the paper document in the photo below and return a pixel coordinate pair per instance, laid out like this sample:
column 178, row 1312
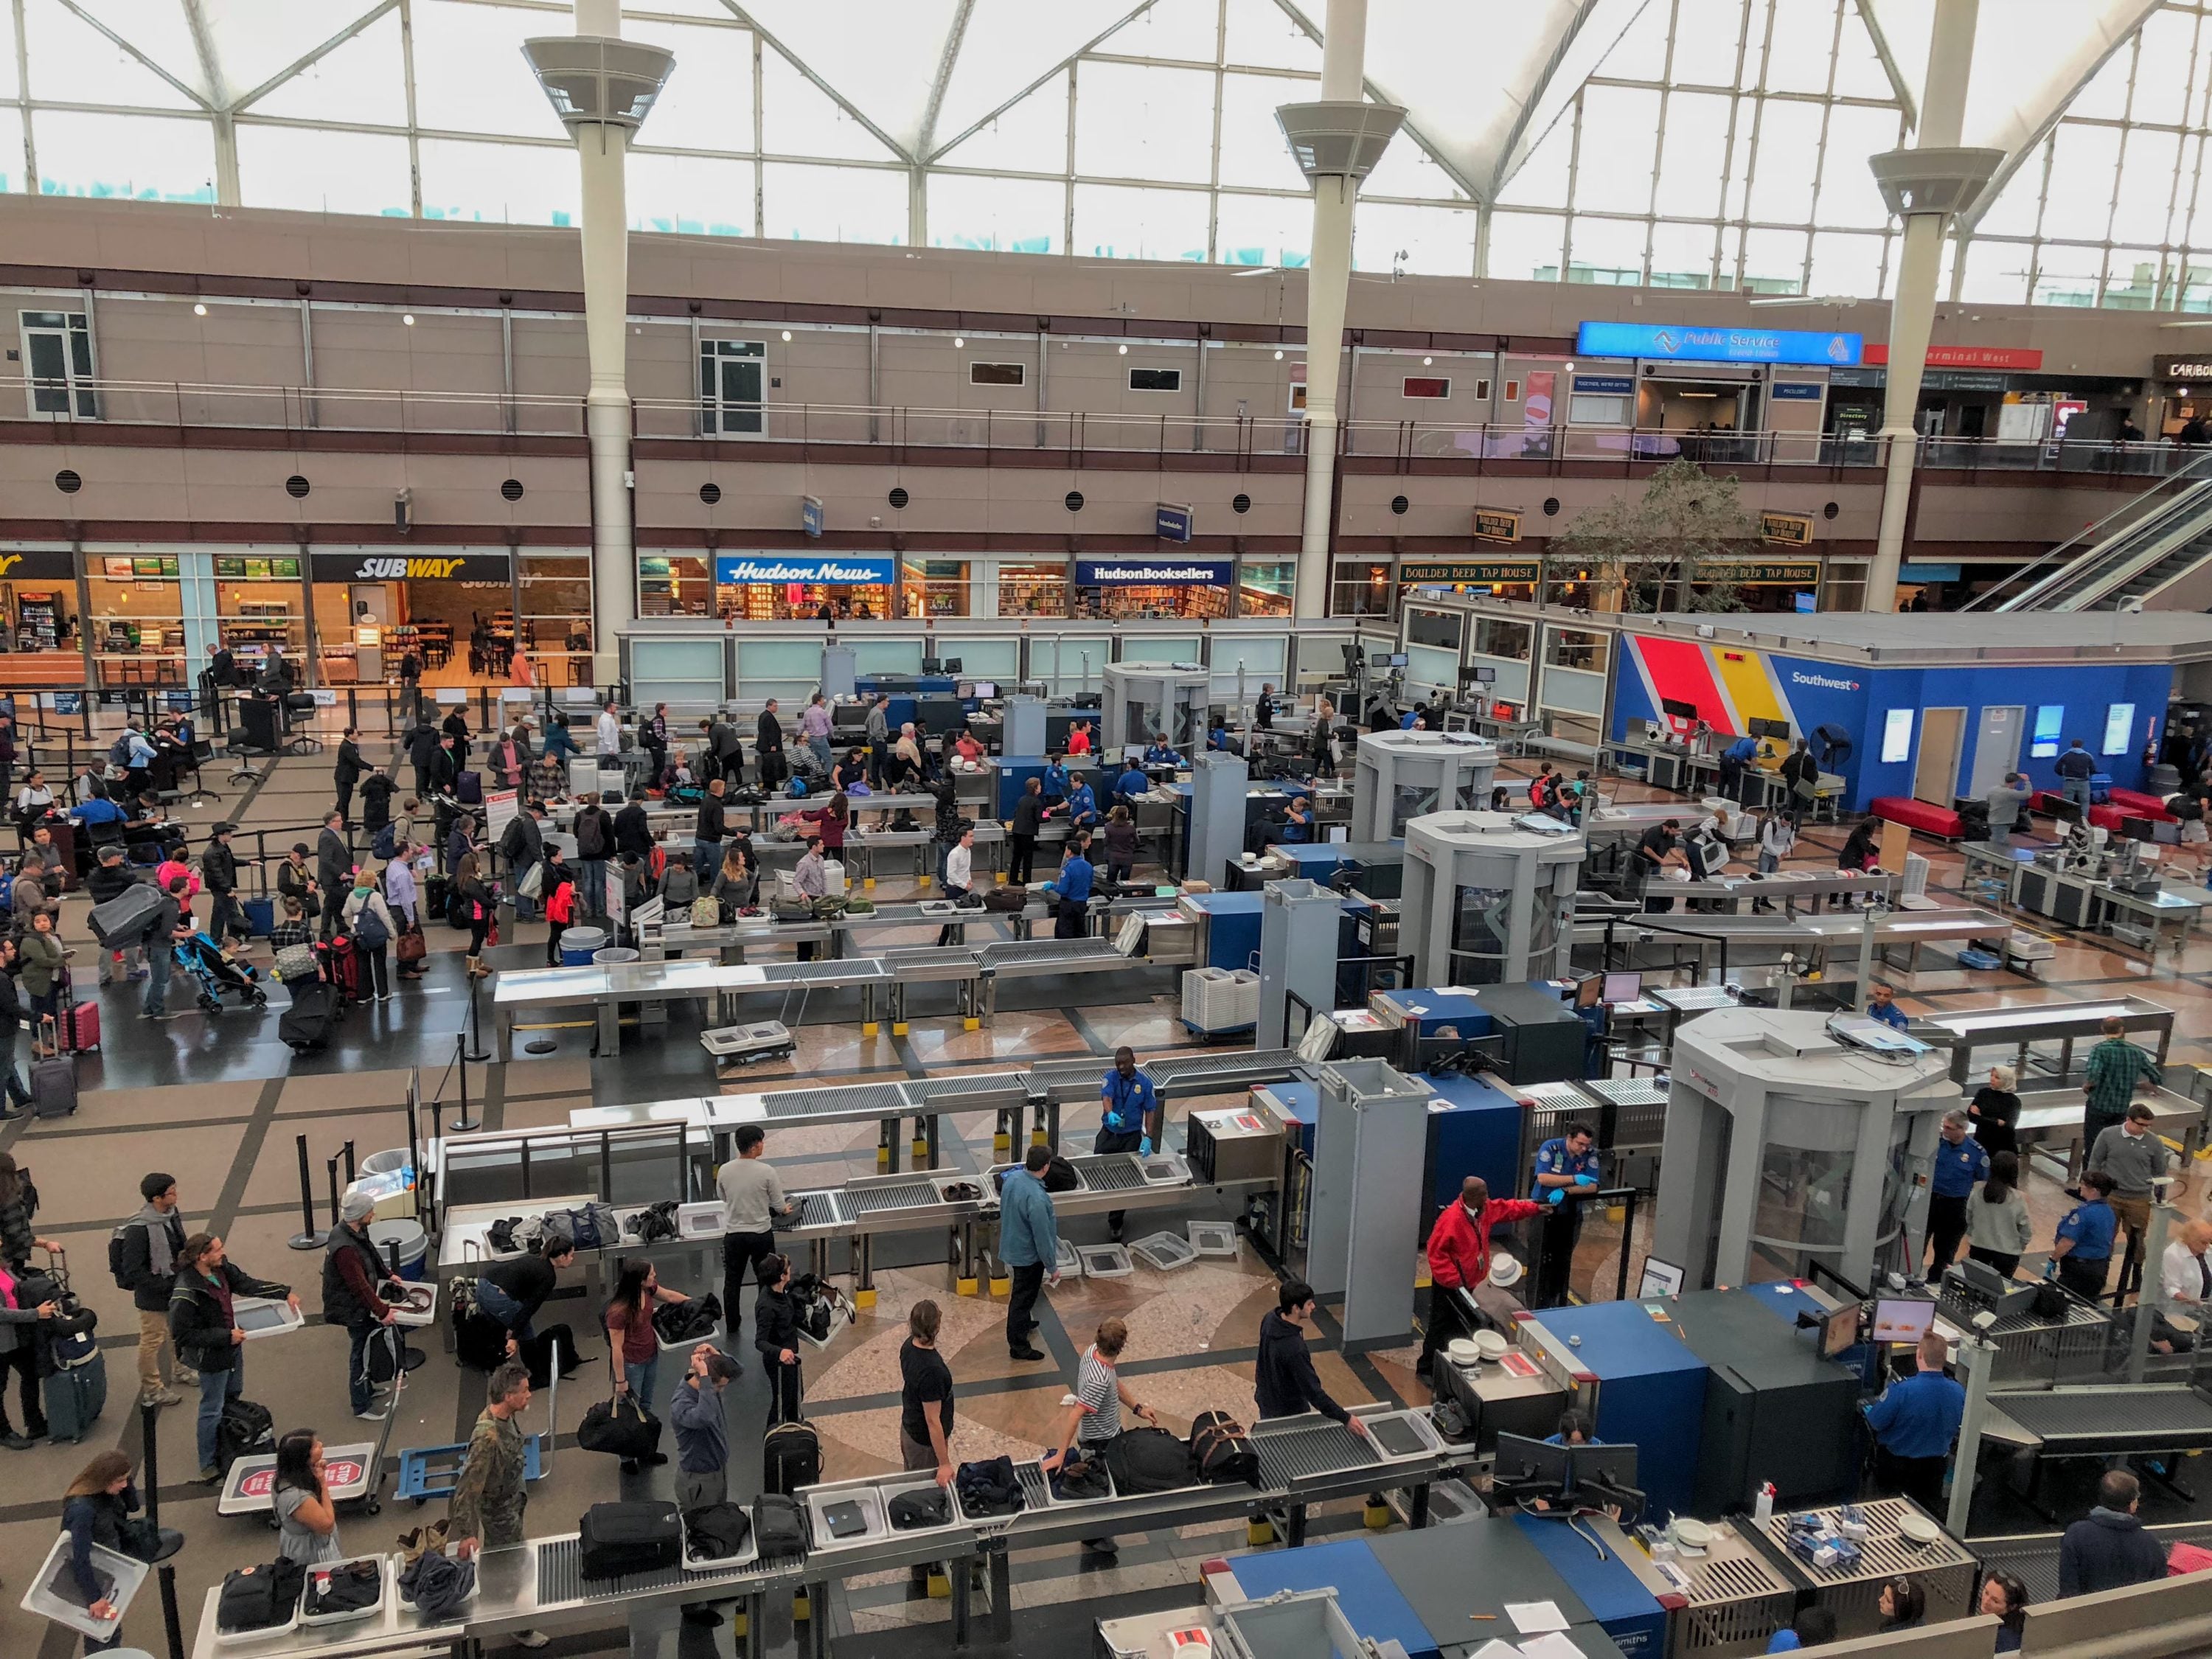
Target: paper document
column 1495, row 1649
column 1550, row 1645
column 1530, row 1617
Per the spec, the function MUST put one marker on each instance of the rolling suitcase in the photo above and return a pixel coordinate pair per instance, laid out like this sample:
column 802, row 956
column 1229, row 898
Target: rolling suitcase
column 53, row 1087
column 260, row 917
column 343, row 965
column 76, row 1395
column 306, row 1025
column 791, row 1456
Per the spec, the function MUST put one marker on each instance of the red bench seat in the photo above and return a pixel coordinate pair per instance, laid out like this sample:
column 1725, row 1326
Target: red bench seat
column 1923, row 816
column 2106, row 815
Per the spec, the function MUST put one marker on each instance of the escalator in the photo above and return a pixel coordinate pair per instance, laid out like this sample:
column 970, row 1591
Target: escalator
column 2155, row 552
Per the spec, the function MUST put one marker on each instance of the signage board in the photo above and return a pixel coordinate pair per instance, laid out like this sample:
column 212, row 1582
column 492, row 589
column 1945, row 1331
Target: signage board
column 409, row 567
column 830, row 569
column 809, row 515
column 2023, row 358
column 1786, row 573
column 1469, row 570
column 1491, row 524
column 39, row 564
column 500, row 807
column 2181, row 368
column 1618, row 386
column 1154, row 573
column 1170, row 522
column 1680, row 342
column 1806, row 392
column 1791, row 529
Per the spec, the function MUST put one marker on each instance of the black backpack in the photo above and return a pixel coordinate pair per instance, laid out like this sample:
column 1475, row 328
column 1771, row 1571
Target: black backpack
column 791, row 1458
column 717, row 1532
column 779, row 1526
column 989, row 1486
column 115, row 1248
column 687, row 1322
column 245, row 1430
column 1147, row 1459
column 1060, row 1176
column 925, row 1506
column 617, row 1539
column 1079, row 1480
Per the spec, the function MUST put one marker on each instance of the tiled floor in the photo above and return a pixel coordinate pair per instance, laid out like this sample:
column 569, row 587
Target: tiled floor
column 218, row 1102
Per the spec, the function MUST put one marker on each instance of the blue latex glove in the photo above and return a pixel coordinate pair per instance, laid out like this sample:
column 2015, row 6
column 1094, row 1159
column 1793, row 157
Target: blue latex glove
column 1144, row 1147
column 1555, row 1194
column 1585, row 1180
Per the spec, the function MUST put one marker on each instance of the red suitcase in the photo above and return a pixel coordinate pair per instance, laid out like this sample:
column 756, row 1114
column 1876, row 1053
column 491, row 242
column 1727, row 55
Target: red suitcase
column 341, row 967
column 76, row 1027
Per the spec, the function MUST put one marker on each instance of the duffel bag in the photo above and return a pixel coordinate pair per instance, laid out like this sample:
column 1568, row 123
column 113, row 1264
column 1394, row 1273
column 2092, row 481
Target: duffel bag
column 620, row 1428
column 1006, row 898
column 1221, row 1452
column 619, row 1539
column 1147, row 1459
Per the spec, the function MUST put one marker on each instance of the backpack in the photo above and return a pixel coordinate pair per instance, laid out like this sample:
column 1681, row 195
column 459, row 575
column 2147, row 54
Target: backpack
column 1081, row 1480
column 717, row 1532
column 115, row 1246
column 119, row 753
column 1221, row 1452
column 989, row 1486
column 791, row 1458
column 925, row 1506
column 386, row 843
column 1147, row 1459
column 1060, row 1176
column 778, row 1526
column 245, row 1430
column 368, row 930
column 656, row 1223
column 706, row 912
column 676, row 1322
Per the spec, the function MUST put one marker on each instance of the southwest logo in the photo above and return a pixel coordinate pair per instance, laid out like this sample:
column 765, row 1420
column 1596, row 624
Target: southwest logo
column 1827, row 683
column 397, row 570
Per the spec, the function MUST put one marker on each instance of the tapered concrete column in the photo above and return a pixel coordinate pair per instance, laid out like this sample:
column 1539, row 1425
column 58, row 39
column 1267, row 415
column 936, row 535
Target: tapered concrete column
column 1925, row 185
column 1337, row 142
column 601, row 87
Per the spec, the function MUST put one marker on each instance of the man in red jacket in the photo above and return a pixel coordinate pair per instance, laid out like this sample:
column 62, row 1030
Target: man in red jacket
column 1458, row 1257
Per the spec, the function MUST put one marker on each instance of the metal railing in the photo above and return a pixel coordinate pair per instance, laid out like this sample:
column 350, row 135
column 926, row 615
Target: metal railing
column 2021, row 587
column 303, row 410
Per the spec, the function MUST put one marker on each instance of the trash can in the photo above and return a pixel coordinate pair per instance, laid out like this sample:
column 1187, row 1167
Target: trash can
column 613, row 956
column 412, row 1243
column 579, row 945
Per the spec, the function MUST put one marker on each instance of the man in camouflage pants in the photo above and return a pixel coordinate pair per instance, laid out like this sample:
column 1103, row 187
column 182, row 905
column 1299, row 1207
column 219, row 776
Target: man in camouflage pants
column 489, row 1499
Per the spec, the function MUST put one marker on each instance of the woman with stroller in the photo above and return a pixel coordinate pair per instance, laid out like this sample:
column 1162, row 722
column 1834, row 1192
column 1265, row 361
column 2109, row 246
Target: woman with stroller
column 369, row 919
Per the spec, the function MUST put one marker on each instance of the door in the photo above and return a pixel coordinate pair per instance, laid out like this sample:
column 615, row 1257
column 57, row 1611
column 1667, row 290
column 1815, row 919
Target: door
column 58, row 365
column 1935, row 779
column 730, row 386
column 1997, row 748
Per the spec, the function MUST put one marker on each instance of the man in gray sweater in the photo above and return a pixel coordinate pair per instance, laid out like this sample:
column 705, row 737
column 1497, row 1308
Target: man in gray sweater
column 752, row 1197
column 2005, row 799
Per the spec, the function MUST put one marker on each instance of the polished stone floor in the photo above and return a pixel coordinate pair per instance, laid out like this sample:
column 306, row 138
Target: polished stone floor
column 220, row 1103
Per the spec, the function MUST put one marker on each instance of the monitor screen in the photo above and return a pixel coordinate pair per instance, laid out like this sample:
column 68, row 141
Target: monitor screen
column 1605, row 1465
column 1485, row 676
column 1901, row 1319
column 1679, row 709
column 1623, row 988
column 1776, row 729
column 1660, row 1278
column 2064, row 810
column 1840, row 1332
column 1524, row 1458
column 985, row 689
column 1397, row 660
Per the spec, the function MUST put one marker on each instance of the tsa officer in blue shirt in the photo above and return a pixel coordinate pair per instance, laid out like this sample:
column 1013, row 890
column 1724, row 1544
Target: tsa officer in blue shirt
column 1055, row 781
column 1132, row 783
column 1567, row 1171
column 1081, row 805
column 1881, row 1005
column 1960, row 1162
column 1128, row 1117
column 1071, row 889
column 2082, row 1252
column 1162, row 752
column 1914, row 1423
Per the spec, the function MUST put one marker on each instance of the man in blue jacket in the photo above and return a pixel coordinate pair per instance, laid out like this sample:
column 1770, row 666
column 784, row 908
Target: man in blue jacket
column 1029, row 1243
column 1129, row 1118
column 1162, row 752
column 2074, row 768
column 1734, row 759
column 1914, row 1423
column 1071, row 889
column 1130, row 785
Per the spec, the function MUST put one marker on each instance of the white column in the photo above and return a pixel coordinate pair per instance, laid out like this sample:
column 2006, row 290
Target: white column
column 1912, row 313
column 602, row 150
column 1328, row 276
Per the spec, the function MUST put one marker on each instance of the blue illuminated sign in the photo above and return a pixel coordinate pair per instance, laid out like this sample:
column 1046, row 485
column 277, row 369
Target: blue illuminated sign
column 810, row 516
column 1603, row 385
column 1171, row 523
column 1678, row 342
column 851, row 570
column 1142, row 572
column 1801, row 390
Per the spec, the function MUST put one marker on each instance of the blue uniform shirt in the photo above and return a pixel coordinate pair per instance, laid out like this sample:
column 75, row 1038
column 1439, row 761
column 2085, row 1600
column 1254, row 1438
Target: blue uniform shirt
column 1073, row 882
column 1297, row 830
column 1744, row 749
column 1128, row 1101
column 1957, row 1168
column 1081, row 804
column 1552, row 1159
column 1132, row 782
column 1889, row 1014
column 1217, row 738
column 1406, row 720
column 2090, row 1225
column 1160, row 755
column 1055, row 782
column 1918, row 1416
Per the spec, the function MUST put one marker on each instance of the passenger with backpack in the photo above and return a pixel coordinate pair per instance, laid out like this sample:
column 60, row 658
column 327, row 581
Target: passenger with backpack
column 142, row 1256
column 369, row 919
column 203, row 1324
column 13, row 1015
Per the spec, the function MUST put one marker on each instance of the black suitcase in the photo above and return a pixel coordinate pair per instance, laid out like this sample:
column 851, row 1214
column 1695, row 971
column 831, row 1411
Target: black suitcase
column 306, row 1025
column 53, row 1087
column 791, row 1458
column 618, row 1539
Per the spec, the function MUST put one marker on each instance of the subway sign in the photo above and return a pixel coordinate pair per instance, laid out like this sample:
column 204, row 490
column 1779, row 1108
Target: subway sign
column 409, row 566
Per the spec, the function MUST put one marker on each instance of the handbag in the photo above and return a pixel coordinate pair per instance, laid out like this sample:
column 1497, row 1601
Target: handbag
column 533, row 883
column 412, row 946
column 620, row 1428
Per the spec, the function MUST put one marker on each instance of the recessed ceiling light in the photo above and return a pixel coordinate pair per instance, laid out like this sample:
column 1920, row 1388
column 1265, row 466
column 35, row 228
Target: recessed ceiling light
column 408, row 318
column 1279, row 353
column 959, row 340
column 199, row 310
column 1425, row 361
column 1125, row 351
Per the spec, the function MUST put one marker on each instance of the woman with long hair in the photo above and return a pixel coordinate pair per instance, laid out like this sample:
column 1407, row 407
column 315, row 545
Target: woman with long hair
column 633, row 1346
column 469, row 887
column 203, row 1324
column 2004, row 1598
column 737, row 884
column 307, row 1520
column 775, row 1336
column 19, row 1203
column 18, row 1353
column 834, row 818
column 96, row 1509
column 1996, row 1111
column 1998, row 1224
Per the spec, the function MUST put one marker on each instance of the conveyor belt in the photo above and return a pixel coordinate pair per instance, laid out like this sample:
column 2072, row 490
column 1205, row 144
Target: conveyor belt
column 560, row 1577
column 981, row 1085
column 1261, row 1063
column 1114, row 1173
column 1325, row 1448
column 879, row 1099
column 2081, row 1421
column 818, row 1210
column 2034, row 1558
column 1627, row 1090
column 920, row 962
column 893, row 1196
column 1003, row 954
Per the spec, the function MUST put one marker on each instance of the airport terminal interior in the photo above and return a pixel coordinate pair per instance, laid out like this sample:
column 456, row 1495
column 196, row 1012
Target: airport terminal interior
column 686, row 978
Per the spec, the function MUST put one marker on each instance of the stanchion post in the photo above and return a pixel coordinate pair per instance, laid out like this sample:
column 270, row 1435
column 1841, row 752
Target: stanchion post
column 148, row 1415
column 333, row 1167
column 310, row 1236
column 474, row 1049
column 350, row 1172
column 464, row 1124
column 171, row 1623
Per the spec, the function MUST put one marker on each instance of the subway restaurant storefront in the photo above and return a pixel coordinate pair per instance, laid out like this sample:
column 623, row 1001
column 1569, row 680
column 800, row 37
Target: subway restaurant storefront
column 454, row 611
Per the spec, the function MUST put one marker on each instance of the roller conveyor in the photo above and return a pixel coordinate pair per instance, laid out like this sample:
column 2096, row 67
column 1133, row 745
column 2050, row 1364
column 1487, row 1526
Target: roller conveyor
column 560, row 1576
column 2112, row 1420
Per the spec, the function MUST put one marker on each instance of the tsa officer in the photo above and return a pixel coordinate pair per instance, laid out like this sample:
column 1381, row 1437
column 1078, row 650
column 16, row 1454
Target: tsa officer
column 1567, row 1171
column 1129, row 1111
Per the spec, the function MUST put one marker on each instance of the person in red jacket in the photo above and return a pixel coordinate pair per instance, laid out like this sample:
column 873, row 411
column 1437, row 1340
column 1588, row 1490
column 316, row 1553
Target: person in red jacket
column 1459, row 1256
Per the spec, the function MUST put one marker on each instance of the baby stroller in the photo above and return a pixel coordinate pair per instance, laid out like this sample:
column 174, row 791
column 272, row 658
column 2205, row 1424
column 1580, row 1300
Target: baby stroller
column 203, row 959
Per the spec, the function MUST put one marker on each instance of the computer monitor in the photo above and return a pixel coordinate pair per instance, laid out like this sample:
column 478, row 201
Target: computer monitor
column 1679, row 709
column 1603, row 1465
column 1902, row 1319
column 1778, row 729
column 932, row 665
column 1485, row 676
column 1659, row 1279
column 1623, row 988
column 1397, row 660
column 2064, row 810
column 984, row 689
column 952, row 666
column 1526, row 1461
column 1980, row 1277
column 1839, row 1332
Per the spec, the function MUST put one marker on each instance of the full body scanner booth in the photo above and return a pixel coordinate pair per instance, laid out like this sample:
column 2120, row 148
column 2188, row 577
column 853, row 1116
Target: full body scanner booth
column 1399, row 775
column 1489, row 898
column 1145, row 697
column 1795, row 1137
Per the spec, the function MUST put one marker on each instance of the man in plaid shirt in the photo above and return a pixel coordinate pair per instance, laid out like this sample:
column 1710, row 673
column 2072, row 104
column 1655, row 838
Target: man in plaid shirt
column 2116, row 1069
